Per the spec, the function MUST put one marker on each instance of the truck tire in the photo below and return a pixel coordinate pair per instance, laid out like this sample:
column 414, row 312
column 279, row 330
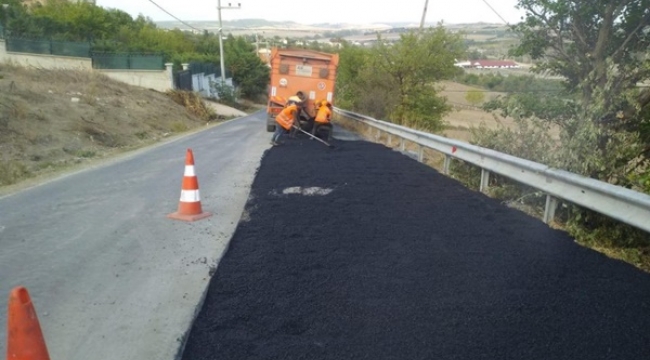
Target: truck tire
column 270, row 128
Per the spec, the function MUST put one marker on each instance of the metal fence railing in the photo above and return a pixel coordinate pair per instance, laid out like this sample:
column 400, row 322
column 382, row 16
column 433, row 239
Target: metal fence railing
column 100, row 60
column 207, row 68
column 47, row 47
column 127, row 61
column 625, row 205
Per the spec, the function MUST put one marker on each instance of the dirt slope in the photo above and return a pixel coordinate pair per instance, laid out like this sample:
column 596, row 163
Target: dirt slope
column 51, row 119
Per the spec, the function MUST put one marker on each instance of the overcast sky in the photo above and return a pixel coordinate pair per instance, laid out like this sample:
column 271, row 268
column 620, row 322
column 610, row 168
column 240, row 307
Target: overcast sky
column 332, row 11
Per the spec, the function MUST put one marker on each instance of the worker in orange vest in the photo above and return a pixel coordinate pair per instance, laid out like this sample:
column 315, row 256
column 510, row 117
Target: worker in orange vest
column 323, row 118
column 286, row 119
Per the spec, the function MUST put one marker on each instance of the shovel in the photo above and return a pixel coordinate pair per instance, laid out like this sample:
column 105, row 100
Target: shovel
column 313, row 137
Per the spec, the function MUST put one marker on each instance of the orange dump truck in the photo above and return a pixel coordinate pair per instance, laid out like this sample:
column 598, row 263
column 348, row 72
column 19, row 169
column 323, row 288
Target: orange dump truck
column 306, row 73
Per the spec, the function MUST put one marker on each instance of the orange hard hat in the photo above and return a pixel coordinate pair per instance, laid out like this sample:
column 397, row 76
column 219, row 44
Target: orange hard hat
column 325, row 103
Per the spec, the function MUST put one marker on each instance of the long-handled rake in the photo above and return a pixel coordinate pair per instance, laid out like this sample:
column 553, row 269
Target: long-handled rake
column 313, row 137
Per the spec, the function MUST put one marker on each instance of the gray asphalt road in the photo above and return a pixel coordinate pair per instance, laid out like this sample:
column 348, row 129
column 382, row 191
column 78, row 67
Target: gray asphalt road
column 111, row 277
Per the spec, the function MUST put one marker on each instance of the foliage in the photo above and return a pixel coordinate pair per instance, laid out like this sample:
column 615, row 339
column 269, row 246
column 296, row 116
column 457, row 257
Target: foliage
column 475, row 97
column 249, row 72
column 600, row 118
column 396, row 81
column 194, row 104
column 227, row 94
column 352, row 60
column 12, row 172
column 601, row 49
column 112, row 30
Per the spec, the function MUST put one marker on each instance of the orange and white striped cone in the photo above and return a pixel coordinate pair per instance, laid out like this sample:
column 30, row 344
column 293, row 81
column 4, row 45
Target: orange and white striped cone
column 189, row 207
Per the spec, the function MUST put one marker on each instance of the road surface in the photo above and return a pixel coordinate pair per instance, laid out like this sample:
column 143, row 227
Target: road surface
column 359, row 252
column 111, row 277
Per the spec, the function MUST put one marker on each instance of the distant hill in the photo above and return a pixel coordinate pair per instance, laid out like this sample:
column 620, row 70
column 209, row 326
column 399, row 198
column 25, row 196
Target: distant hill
column 263, row 23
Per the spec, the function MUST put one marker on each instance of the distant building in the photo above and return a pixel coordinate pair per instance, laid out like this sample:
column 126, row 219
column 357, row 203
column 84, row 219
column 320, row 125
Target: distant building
column 488, row 64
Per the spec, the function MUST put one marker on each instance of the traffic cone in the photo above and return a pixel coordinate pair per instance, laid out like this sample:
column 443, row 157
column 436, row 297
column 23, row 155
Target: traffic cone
column 24, row 336
column 189, row 207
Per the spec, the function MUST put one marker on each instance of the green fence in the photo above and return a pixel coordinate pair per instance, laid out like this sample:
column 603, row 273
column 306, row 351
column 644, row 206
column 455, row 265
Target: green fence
column 127, row 61
column 48, row 47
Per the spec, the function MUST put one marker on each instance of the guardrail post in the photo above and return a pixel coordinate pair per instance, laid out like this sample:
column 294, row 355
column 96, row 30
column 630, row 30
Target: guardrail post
column 446, row 164
column 549, row 210
column 377, row 135
column 421, row 153
column 402, row 144
column 390, row 139
column 485, row 180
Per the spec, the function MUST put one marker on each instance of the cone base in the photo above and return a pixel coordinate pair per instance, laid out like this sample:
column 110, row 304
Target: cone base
column 184, row 217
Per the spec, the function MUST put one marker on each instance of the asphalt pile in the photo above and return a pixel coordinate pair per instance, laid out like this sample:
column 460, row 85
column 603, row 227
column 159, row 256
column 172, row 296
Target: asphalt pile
column 392, row 260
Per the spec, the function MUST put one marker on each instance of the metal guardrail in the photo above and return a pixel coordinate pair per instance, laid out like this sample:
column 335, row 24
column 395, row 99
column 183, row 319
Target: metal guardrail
column 628, row 206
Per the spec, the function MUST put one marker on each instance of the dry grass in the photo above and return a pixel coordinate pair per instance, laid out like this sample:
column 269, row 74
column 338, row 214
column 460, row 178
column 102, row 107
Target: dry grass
column 52, row 119
column 465, row 116
column 194, row 103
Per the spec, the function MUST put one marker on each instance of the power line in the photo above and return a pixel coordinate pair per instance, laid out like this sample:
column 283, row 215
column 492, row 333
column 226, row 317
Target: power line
column 170, row 14
column 499, row 15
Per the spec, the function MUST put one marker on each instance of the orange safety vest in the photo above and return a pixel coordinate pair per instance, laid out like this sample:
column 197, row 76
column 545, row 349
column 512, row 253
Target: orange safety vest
column 323, row 115
column 287, row 116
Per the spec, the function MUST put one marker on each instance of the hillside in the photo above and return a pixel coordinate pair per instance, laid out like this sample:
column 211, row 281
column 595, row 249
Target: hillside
column 54, row 119
column 270, row 28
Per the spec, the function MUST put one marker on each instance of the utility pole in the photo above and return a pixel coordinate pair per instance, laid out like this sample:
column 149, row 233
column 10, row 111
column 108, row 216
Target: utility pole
column 424, row 14
column 223, row 66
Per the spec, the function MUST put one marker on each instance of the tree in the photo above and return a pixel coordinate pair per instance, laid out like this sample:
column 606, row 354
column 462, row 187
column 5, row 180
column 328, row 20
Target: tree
column 111, row 30
column 600, row 47
column 397, row 81
column 249, row 72
column 413, row 66
column 352, row 60
column 597, row 46
column 475, row 97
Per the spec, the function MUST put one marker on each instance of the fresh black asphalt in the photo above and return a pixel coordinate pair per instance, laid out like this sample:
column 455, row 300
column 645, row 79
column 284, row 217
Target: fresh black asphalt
column 401, row 262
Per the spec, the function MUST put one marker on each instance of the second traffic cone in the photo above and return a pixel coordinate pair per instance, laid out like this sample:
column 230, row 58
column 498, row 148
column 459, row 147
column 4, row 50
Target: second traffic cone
column 24, row 336
column 189, row 207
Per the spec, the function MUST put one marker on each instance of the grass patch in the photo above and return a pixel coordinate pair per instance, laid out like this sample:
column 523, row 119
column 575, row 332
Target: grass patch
column 193, row 103
column 12, row 172
column 18, row 111
column 86, row 154
column 178, row 127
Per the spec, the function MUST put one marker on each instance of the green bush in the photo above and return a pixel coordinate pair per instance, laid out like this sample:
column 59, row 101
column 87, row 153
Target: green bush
column 12, row 172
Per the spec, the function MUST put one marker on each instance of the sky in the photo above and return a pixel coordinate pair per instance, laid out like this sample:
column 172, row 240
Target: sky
column 330, row 11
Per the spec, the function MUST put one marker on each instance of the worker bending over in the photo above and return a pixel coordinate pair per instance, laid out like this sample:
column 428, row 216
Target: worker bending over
column 323, row 119
column 286, row 118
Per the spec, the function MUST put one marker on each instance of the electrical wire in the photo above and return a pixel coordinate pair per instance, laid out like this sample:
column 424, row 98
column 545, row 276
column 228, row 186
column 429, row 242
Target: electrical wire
column 494, row 11
column 172, row 15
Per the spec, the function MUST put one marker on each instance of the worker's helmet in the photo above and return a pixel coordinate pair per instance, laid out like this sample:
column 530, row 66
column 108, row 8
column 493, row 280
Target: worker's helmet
column 295, row 99
column 325, row 103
